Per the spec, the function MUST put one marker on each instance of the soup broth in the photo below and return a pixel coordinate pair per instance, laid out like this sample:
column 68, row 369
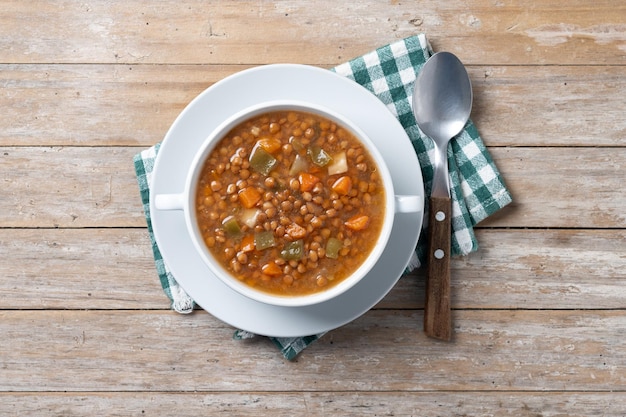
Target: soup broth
column 290, row 202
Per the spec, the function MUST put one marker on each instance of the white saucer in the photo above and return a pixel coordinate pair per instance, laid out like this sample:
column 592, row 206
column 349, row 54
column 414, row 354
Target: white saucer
column 241, row 90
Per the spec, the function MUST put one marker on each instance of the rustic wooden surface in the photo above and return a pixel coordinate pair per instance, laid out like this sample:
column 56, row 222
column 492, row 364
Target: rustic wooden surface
column 539, row 310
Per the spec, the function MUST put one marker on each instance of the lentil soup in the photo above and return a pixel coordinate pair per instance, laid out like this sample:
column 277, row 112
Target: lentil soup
column 290, row 203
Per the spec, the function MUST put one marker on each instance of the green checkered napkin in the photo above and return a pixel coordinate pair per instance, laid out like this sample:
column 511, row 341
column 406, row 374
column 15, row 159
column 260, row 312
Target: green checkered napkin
column 389, row 73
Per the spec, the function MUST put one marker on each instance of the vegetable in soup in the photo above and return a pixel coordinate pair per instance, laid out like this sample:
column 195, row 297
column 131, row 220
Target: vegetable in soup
column 290, row 202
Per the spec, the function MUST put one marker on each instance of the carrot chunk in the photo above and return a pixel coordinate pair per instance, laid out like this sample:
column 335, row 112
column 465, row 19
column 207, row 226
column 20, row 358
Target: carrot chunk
column 249, row 196
column 271, row 145
column 271, row 269
column 342, row 186
column 358, row 222
column 247, row 243
column 307, row 181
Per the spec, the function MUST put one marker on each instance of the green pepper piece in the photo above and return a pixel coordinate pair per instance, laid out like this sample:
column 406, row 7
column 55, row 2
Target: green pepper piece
column 231, row 227
column 264, row 240
column 333, row 246
column 262, row 161
column 319, row 156
column 293, row 251
column 296, row 144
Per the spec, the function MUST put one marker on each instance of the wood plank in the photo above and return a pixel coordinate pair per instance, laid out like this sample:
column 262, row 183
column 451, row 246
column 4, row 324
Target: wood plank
column 96, row 187
column 97, row 105
column 78, row 268
column 134, row 105
column 384, row 350
column 113, row 269
column 528, row 269
column 550, row 32
column 550, row 187
column 69, row 187
column 288, row 404
column 549, row 106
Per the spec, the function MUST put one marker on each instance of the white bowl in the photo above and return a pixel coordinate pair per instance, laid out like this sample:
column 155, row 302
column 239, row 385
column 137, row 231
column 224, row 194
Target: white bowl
column 186, row 201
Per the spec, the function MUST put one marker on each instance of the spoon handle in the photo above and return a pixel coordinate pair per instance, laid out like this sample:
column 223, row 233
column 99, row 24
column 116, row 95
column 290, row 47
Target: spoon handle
column 437, row 312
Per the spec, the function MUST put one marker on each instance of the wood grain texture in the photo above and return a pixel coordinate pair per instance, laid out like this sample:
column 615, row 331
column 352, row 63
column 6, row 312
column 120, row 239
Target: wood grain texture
column 78, row 268
column 530, row 269
column 193, row 31
column 538, row 311
column 562, row 187
column 437, row 300
column 164, row 351
column 103, row 104
column 314, row 404
column 96, row 187
column 562, row 106
column 134, row 105
column 69, row 187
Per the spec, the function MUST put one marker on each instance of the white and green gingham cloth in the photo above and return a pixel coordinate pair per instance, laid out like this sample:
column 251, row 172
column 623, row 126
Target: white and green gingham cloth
column 389, row 72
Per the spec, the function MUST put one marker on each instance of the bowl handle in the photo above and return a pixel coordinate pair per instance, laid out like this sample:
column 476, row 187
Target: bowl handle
column 169, row 201
column 409, row 203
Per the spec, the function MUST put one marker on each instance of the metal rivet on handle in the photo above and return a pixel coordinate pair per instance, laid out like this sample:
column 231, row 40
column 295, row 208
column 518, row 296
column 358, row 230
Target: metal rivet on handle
column 440, row 216
column 439, row 254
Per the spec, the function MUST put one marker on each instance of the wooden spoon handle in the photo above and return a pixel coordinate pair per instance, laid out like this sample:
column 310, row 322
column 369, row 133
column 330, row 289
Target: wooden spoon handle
column 437, row 311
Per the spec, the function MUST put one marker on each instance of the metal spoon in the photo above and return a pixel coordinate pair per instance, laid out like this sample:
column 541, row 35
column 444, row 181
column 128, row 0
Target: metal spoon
column 442, row 102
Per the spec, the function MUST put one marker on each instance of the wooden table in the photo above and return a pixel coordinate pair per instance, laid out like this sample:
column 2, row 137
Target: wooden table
column 539, row 310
